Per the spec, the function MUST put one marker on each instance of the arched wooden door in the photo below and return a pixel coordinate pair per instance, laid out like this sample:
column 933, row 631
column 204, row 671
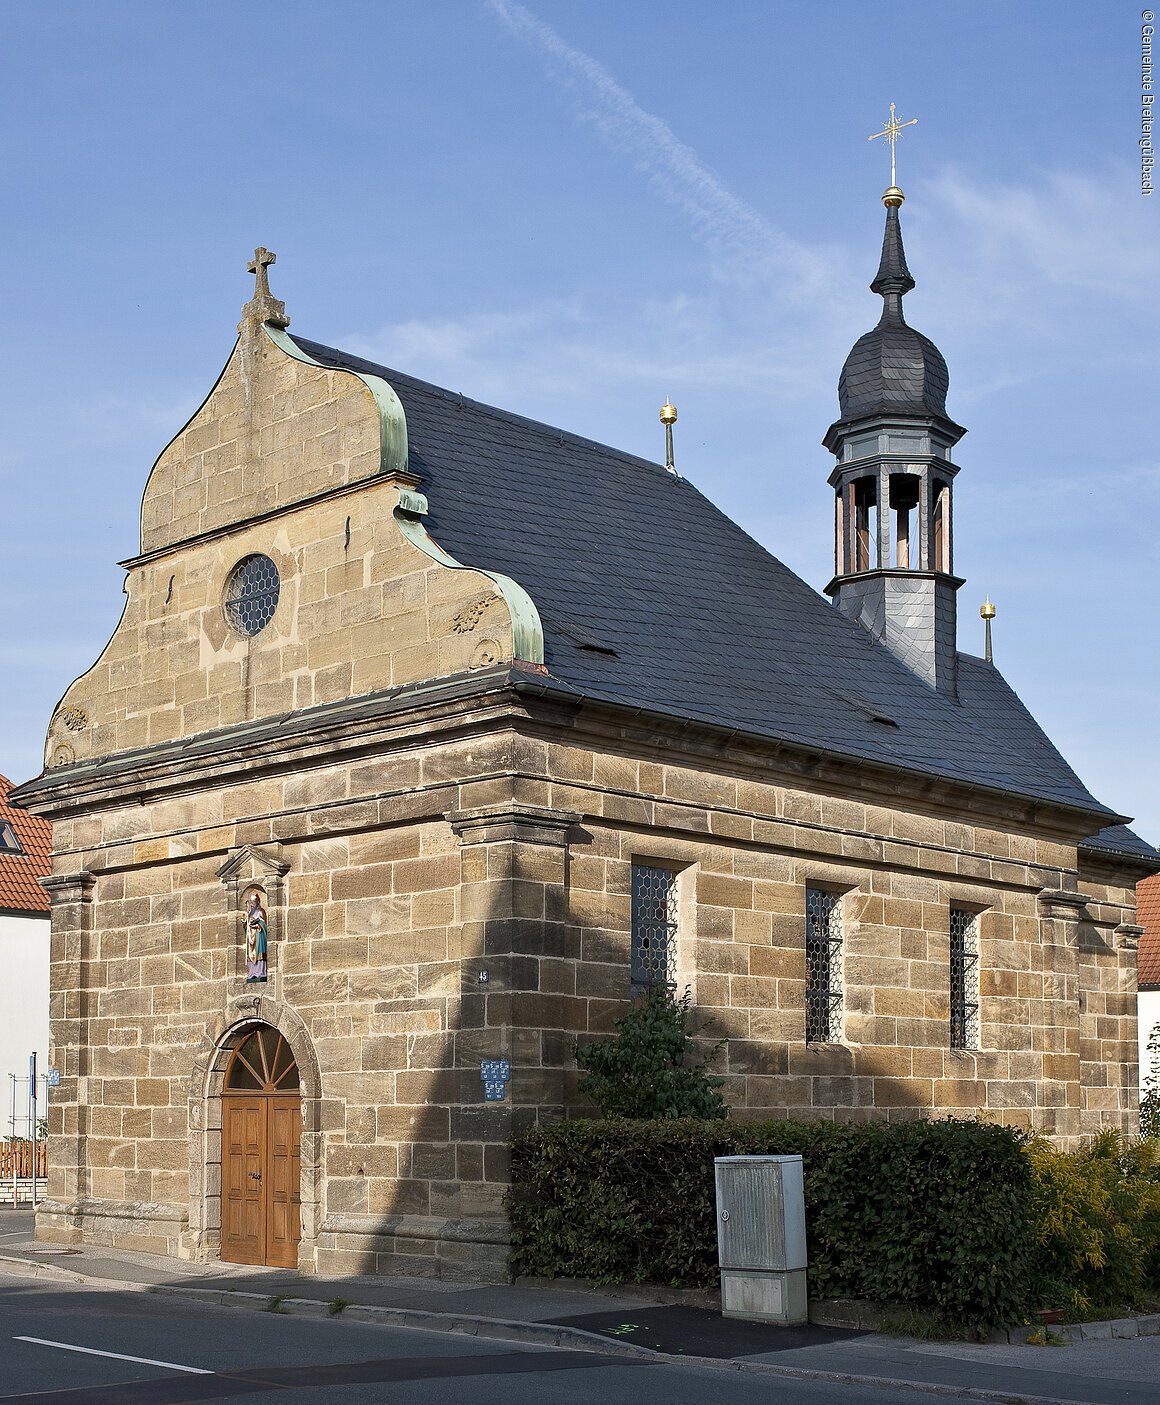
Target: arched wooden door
column 261, row 1153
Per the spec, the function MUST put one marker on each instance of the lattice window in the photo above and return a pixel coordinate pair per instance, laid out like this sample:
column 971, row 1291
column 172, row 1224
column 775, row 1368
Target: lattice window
column 964, row 979
column 823, row 967
column 654, row 926
column 252, row 595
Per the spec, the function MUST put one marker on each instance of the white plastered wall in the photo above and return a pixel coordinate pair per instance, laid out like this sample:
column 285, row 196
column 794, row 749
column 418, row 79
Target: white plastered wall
column 24, row 945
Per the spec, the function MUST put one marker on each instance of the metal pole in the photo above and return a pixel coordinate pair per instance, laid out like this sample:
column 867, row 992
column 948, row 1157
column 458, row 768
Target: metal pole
column 46, row 1086
column 12, row 1138
column 32, row 1128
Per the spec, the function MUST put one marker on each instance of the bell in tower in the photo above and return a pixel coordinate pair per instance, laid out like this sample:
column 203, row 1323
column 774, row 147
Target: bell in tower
column 892, row 479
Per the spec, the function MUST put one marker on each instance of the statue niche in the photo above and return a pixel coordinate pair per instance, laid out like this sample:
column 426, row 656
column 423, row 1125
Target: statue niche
column 254, row 880
column 256, row 923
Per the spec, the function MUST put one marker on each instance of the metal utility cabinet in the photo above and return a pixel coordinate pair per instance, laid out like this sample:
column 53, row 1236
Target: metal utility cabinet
column 761, row 1237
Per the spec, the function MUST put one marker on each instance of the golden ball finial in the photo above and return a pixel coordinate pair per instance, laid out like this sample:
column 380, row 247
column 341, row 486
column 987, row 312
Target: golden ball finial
column 892, row 197
column 668, row 412
column 987, row 610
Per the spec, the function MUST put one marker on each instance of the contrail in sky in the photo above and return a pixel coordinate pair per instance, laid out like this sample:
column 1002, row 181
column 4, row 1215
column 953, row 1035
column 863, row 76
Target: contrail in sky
column 677, row 171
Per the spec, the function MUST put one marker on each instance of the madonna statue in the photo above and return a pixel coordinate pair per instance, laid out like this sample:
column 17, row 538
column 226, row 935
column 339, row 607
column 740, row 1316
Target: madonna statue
column 257, row 934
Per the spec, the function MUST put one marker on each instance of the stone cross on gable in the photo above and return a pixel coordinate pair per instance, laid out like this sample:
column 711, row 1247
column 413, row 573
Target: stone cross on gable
column 261, row 261
column 263, row 306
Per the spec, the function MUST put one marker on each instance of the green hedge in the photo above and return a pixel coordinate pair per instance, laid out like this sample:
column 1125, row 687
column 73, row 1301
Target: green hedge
column 933, row 1215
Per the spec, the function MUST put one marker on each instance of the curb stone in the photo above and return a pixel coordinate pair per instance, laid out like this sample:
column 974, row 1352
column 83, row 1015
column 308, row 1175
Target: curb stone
column 12, row 1265
column 1068, row 1333
column 551, row 1335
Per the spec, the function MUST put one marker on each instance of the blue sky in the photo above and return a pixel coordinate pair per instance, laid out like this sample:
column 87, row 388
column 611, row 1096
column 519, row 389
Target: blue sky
column 574, row 210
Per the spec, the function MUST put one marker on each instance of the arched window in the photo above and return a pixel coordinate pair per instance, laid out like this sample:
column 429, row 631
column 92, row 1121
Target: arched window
column 262, row 1062
column 857, row 520
column 905, row 490
column 942, row 526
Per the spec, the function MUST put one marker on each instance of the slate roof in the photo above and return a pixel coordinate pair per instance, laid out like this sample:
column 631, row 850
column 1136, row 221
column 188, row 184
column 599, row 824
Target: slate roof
column 1148, row 916
column 1119, row 839
column 19, row 890
column 893, row 370
column 652, row 598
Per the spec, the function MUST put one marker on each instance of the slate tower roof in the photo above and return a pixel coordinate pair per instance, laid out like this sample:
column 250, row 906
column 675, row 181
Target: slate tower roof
column 893, row 369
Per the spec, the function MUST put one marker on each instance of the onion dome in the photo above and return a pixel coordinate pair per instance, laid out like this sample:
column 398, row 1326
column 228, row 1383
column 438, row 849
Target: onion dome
column 893, row 369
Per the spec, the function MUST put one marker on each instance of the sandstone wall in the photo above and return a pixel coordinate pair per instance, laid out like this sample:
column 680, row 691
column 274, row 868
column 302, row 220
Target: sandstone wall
column 360, row 609
column 272, row 432
column 467, row 897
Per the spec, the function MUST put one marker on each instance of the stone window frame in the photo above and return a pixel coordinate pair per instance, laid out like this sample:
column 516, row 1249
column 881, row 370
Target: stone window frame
column 652, row 867
column 682, row 966
column 971, row 1015
column 205, row 1122
column 235, row 595
column 835, row 986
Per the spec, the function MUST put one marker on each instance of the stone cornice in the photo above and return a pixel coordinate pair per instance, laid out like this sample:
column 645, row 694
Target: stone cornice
column 1127, row 936
column 513, row 698
column 1097, row 862
column 528, row 824
column 69, row 887
column 1063, row 904
column 426, row 713
column 229, row 529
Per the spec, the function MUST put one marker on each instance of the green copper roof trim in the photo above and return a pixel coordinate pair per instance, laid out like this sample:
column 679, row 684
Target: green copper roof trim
column 392, row 419
column 412, row 502
column 527, row 630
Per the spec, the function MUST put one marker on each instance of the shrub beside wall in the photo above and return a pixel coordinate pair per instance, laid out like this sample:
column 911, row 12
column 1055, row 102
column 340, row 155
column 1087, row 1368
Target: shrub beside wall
column 1097, row 1223
column 934, row 1215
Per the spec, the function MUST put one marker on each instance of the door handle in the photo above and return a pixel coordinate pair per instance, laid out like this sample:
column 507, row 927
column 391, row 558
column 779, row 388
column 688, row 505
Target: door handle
column 255, row 1175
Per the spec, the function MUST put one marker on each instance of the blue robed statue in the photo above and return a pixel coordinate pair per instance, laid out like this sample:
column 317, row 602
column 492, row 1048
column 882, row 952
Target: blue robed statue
column 257, row 935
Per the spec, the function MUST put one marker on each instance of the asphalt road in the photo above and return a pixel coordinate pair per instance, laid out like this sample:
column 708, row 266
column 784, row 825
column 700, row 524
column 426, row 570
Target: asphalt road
column 256, row 1357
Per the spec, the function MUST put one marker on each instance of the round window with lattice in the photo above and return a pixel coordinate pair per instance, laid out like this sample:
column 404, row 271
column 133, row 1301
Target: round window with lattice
column 252, row 594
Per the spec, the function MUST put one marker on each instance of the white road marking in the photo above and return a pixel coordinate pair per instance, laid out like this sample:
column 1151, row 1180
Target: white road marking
column 116, row 1355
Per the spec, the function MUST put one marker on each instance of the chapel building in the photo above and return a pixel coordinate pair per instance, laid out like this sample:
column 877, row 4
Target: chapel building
column 430, row 735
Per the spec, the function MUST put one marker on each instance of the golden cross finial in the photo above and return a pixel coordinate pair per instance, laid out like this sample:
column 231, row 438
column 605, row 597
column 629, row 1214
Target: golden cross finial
column 891, row 129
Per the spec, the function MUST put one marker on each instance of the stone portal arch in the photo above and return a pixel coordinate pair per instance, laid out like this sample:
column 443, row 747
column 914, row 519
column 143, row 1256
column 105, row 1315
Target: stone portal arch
column 205, row 1122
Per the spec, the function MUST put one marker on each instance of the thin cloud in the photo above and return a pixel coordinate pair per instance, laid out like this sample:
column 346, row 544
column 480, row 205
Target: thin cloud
column 720, row 219
column 1056, row 230
column 527, row 355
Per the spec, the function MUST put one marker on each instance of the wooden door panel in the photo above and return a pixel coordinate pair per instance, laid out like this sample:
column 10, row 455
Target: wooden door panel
column 261, row 1152
column 283, row 1199
column 243, row 1147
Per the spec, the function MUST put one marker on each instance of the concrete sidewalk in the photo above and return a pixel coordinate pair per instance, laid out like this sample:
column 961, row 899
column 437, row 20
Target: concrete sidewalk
column 1103, row 1370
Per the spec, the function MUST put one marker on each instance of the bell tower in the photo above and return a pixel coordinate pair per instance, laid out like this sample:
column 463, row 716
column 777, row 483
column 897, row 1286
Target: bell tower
column 892, row 480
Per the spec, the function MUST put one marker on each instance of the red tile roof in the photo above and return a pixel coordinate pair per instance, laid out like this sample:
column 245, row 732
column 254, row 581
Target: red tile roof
column 1148, row 916
column 19, row 890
